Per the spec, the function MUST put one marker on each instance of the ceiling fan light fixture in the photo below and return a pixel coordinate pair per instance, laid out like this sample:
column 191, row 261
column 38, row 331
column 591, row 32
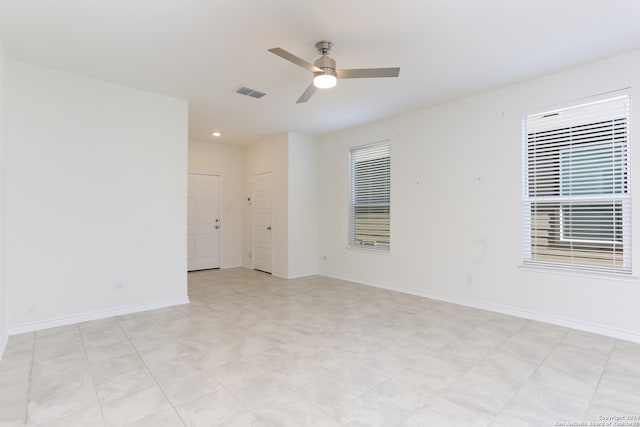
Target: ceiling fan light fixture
column 324, row 81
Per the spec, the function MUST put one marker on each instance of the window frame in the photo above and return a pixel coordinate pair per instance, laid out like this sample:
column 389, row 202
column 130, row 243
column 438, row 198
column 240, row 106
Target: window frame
column 537, row 200
column 351, row 237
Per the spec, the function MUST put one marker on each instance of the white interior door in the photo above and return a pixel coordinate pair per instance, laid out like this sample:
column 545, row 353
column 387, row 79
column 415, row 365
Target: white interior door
column 203, row 228
column 262, row 235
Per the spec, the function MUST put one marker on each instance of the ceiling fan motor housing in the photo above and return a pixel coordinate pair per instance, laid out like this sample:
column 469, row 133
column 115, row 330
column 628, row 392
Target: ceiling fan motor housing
column 326, row 64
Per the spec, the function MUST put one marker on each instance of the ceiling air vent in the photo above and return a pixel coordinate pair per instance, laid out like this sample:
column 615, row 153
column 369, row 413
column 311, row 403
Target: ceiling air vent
column 250, row 92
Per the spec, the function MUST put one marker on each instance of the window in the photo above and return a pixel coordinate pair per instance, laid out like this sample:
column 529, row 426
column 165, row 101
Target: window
column 577, row 195
column 370, row 206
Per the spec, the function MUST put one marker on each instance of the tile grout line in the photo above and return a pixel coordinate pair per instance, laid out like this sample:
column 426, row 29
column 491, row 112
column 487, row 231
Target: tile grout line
column 222, row 386
column 268, row 374
column 492, row 417
column 595, row 390
column 33, row 359
column 532, row 373
column 575, row 376
column 240, row 402
column 237, row 400
column 93, row 380
column 322, row 410
column 150, row 372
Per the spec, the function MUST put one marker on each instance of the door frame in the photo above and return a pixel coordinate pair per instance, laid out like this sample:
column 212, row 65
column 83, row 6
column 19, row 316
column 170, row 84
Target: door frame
column 219, row 175
column 253, row 222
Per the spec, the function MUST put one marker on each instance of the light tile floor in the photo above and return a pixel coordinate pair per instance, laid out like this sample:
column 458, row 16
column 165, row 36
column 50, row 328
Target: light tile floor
column 255, row 350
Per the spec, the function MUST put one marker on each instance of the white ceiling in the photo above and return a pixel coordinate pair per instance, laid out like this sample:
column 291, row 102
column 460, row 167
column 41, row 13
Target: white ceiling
column 202, row 50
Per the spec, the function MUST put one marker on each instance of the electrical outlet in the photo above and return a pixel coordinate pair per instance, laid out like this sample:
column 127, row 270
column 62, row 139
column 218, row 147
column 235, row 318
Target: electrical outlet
column 119, row 285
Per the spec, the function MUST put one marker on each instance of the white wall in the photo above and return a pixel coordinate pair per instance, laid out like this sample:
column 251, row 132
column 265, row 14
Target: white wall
column 96, row 193
column 3, row 304
column 303, row 205
column 227, row 161
column 269, row 155
column 456, row 206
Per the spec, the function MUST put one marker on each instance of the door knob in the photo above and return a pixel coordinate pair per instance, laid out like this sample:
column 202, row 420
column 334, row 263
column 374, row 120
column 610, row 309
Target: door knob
column 269, row 228
column 217, row 227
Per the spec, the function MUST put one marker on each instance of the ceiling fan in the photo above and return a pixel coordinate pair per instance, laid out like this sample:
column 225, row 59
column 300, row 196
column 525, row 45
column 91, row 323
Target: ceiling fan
column 325, row 72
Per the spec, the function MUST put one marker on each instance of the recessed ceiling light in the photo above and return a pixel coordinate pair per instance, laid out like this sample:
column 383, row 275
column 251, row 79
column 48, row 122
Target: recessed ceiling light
column 216, row 134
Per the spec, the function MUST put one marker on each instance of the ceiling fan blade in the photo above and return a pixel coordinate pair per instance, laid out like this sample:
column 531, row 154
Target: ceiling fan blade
column 364, row 73
column 292, row 58
column 307, row 94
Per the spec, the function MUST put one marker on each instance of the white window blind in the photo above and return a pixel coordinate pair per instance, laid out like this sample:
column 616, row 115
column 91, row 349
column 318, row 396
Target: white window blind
column 577, row 195
column 370, row 207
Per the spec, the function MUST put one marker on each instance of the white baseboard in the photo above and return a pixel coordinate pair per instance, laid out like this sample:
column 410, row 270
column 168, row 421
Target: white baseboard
column 225, row 267
column 497, row 308
column 301, row 275
column 292, row 276
column 94, row 315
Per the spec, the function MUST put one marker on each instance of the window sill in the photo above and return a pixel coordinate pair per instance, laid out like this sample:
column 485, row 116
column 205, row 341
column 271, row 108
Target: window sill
column 562, row 271
column 368, row 250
